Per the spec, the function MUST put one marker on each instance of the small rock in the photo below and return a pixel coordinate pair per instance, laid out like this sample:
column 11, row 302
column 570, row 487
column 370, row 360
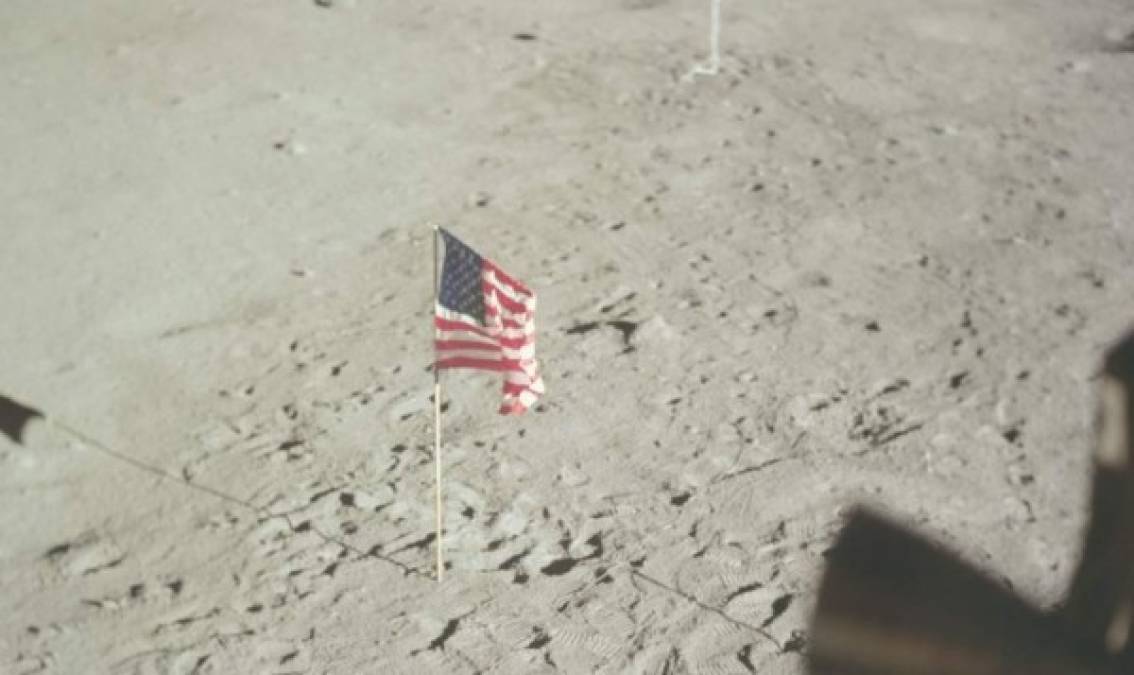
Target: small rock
column 374, row 498
column 1075, row 66
column 1019, row 510
column 572, row 477
column 1020, row 476
column 655, row 330
column 291, row 147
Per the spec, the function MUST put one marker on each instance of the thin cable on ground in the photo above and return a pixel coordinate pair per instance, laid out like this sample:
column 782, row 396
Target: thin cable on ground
column 373, row 552
column 259, row 510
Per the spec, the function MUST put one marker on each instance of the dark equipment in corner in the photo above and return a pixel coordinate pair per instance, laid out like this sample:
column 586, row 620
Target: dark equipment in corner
column 891, row 603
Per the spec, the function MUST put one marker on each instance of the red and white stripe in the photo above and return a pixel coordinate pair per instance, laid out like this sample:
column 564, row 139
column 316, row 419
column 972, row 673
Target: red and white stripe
column 505, row 344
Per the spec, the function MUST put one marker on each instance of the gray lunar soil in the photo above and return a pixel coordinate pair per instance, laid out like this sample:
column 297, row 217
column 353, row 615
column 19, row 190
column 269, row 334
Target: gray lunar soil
column 875, row 259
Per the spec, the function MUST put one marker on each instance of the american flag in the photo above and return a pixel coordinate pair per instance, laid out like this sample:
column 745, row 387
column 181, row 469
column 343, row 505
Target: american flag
column 485, row 319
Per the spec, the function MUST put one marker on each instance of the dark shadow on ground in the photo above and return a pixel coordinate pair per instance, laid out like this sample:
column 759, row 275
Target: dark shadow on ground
column 14, row 416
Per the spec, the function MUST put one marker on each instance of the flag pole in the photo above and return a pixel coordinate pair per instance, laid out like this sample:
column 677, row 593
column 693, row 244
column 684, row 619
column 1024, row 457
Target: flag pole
column 437, row 420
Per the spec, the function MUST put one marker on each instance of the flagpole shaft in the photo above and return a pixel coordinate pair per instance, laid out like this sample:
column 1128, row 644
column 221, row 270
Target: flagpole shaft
column 437, row 425
column 437, row 463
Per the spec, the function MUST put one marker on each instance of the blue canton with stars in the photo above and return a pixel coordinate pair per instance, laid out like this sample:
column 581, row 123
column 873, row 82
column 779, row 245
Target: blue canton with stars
column 461, row 287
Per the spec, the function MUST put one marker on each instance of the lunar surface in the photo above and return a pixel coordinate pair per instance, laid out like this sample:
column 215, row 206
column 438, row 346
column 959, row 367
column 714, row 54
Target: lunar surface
column 874, row 259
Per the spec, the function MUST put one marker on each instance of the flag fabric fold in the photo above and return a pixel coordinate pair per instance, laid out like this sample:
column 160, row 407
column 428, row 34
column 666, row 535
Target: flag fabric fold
column 485, row 319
